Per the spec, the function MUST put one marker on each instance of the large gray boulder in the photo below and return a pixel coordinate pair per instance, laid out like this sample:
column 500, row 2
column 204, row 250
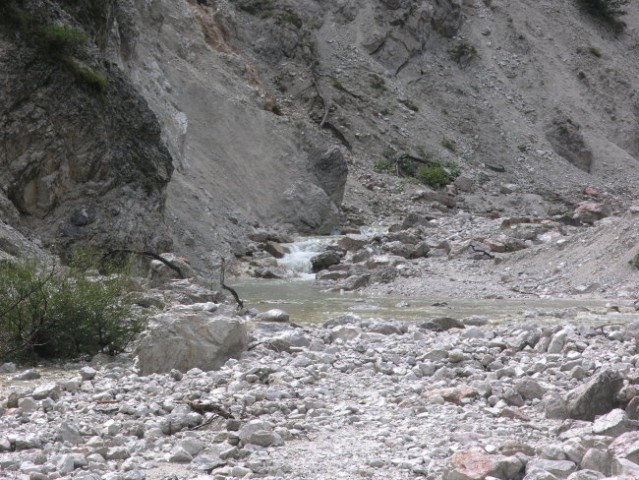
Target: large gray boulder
column 309, row 209
column 566, row 139
column 190, row 339
column 330, row 170
column 596, row 397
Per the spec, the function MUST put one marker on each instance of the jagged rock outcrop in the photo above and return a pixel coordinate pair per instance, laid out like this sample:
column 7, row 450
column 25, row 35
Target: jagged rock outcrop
column 565, row 137
column 81, row 161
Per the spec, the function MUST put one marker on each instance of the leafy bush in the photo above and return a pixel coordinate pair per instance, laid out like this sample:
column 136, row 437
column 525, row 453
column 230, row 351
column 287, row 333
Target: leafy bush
column 88, row 75
column 607, row 11
column 384, row 166
column 463, row 53
column 61, row 39
column 449, row 144
column 54, row 43
column 377, row 82
column 433, row 175
column 46, row 312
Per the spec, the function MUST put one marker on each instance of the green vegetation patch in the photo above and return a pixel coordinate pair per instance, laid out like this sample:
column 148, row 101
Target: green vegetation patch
column 607, row 11
column 434, row 176
column 56, row 43
column 449, row 144
column 49, row 312
column 61, row 39
column 261, row 8
column 427, row 170
column 463, row 54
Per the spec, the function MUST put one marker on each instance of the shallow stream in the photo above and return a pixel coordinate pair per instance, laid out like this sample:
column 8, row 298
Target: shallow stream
column 307, row 302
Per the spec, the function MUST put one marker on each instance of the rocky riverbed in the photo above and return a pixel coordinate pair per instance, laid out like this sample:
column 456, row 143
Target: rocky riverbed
column 460, row 399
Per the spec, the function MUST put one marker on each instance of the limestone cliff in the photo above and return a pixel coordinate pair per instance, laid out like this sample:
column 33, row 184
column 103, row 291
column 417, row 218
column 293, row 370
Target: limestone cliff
column 276, row 113
column 80, row 161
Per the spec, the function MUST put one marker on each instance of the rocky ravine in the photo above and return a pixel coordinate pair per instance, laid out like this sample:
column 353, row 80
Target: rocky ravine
column 355, row 398
column 265, row 106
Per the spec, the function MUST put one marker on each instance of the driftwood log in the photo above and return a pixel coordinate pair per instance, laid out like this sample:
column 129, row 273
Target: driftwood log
column 155, row 256
column 240, row 303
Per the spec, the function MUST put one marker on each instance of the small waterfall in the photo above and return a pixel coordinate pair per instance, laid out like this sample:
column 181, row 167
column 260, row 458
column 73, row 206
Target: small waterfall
column 297, row 262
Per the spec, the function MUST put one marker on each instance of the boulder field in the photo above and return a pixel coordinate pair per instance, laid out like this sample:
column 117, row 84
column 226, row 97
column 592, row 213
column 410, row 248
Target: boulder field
column 545, row 398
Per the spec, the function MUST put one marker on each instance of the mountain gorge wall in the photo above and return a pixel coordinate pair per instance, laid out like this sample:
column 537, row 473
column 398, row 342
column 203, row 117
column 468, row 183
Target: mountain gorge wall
column 274, row 113
column 77, row 164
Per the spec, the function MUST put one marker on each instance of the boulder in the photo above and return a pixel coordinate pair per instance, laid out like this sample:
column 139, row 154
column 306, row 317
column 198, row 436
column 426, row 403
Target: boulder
column 596, row 459
column 273, row 315
column 353, row 243
column 187, row 340
column 259, row 432
column 568, row 142
column 275, row 249
column 558, row 468
column 330, row 170
column 625, row 468
column 614, row 423
column 626, row 446
column 308, row 209
column 585, row 475
column 325, row 260
column 590, row 212
column 161, row 272
column 414, row 219
column 479, row 465
column 355, row 281
column 442, row 324
column 596, row 397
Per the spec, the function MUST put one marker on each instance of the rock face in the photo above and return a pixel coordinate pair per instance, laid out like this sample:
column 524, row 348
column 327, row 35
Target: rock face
column 331, row 171
column 565, row 137
column 189, row 340
column 79, row 162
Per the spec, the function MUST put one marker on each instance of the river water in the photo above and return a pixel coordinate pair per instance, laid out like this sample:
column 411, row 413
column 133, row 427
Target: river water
column 307, row 302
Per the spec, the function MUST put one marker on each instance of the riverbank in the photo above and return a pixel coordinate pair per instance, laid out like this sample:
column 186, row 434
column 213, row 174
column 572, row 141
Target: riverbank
column 353, row 398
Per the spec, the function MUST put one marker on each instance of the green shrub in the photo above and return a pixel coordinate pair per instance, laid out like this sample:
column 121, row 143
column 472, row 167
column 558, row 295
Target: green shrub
column 54, row 314
column 384, row 166
column 61, row 39
column 595, row 52
column 463, row 53
column 433, row 175
column 449, row 144
column 54, row 43
column 606, row 10
column 398, row 164
column 88, row 75
column 377, row 82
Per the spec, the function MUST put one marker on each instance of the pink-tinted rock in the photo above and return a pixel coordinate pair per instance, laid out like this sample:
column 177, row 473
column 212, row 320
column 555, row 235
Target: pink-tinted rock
column 479, row 465
column 626, row 446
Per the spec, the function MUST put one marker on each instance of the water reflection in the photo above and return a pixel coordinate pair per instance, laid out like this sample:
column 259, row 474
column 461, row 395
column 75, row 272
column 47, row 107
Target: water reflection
column 307, row 302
